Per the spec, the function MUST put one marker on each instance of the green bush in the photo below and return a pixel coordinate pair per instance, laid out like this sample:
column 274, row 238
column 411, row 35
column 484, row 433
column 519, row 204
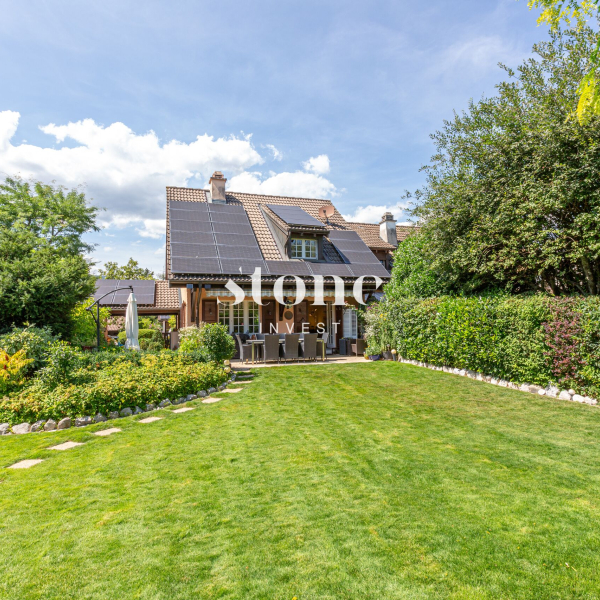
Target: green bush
column 35, row 342
column 525, row 339
column 131, row 379
column 212, row 340
column 149, row 339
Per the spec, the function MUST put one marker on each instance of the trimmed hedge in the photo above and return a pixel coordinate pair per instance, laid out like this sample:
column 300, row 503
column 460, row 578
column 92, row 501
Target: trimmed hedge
column 121, row 383
column 531, row 339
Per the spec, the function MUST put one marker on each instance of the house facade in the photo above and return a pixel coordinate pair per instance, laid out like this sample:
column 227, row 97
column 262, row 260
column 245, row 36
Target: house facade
column 215, row 237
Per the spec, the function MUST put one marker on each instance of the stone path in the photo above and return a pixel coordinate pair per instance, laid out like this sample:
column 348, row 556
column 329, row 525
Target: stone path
column 66, row 446
column 26, row 464
column 106, row 432
column 150, row 419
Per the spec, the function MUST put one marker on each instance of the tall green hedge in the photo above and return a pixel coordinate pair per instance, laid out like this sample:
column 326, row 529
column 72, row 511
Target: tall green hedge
column 534, row 339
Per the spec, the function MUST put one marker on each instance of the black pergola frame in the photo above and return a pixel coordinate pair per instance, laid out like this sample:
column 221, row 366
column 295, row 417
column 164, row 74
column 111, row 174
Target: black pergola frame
column 96, row 316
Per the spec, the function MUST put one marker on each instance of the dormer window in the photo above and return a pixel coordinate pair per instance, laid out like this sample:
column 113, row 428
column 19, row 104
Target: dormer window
column 304, row 248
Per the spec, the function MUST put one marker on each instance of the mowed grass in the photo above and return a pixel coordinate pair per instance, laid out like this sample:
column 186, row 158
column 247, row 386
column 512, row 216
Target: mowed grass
column 374, row 480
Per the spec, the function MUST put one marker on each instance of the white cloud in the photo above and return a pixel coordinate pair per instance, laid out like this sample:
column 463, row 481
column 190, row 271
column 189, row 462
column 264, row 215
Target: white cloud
column 277, row 155
column 152, row 228
column 161, row 251
column 300, row 184
column 127, row 173
column 373, row 213
column 108, row 248
column 317, row 164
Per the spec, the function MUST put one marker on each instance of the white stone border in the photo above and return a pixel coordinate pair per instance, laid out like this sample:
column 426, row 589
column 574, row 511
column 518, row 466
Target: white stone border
column 550, row 391
column 67, row 422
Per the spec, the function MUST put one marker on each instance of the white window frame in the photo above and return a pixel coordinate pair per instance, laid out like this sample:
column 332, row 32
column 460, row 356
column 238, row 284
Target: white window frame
column 309, row 248
column 237, row 317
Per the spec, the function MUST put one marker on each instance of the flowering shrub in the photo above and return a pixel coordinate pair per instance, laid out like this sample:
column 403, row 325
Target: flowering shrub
column 12, row 369
column 123, row 383
column 532, row 339
column 33, row 340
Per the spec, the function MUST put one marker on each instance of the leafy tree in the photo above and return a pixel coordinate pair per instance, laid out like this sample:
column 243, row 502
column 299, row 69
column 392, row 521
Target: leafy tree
column 513, row 193
column 574, row 13
column 412, row 274
column 43, row 273
column 131, row 270
column 84, row 330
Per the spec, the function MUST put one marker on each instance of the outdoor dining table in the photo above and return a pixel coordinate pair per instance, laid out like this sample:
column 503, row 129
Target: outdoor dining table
column 282, row 341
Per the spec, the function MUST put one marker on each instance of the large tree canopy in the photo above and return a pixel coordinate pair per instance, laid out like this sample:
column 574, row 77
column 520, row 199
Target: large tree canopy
column 43, row 273
column 131, row 270
column 513, row 193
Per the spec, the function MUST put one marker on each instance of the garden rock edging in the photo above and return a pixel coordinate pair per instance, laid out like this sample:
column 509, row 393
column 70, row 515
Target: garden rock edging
column 51, row 425
column 550, row 391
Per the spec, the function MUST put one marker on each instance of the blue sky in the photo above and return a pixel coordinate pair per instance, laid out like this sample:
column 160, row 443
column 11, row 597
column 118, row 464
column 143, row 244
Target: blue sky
column 325, row 99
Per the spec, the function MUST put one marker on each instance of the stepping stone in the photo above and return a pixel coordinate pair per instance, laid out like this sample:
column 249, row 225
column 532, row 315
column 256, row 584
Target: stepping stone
column 234, row 391
column 106, row 432
column 184, row 409
column 248, row 381
column 150, row 419
column 25, row 464
column 66, row 446
column 211, row 400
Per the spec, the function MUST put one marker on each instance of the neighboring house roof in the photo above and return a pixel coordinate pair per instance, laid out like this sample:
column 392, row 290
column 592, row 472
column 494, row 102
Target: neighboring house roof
column 369, row 233
column 165, row 298
column 256, row 207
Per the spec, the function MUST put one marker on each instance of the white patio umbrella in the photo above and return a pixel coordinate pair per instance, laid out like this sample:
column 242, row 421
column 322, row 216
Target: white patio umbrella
column 131, row 324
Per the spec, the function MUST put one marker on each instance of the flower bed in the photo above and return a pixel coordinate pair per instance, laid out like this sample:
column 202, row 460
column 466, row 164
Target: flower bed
column 121, row 383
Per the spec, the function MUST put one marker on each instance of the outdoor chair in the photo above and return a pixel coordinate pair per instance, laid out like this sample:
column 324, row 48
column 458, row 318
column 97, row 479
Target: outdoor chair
column 271, row 348
column 309, row 346
column 290, row 346
column 358, row 347
column 245, row 350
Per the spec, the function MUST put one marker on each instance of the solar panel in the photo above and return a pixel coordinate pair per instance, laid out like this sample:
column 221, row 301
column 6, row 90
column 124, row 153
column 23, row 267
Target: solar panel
column 191, row 206
column 194, row 250
column 187, row 237
column 188, row 215
column 239, row 252
column 369, row 270
column 350, row 245
column 330, row 269
column 237, row 239
column 195, row 265
column 294, row 215
column 232, row 265
column 233, row 228
column 366, row 257
column 191, row 226
column 226, row 208
column 287, row 267
column 234, row 218
column 343, row 234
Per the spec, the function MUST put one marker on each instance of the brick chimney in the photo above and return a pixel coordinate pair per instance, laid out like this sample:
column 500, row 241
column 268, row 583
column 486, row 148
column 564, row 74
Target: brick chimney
column 217, row 188
column 387, row 229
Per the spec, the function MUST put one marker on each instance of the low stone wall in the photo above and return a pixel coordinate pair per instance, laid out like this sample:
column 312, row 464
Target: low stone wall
column 67, row 422
column 551, row 391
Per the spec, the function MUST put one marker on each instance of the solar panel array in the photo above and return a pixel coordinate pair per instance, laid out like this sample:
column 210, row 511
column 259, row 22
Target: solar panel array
column 212, row 238
column 361, row 260
column 294, row 215
column 143, row 290
column 209, row 238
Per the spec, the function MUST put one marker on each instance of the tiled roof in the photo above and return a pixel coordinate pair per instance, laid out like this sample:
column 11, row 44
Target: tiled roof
column 166, row 298
column 255, row 204
column 369, row 233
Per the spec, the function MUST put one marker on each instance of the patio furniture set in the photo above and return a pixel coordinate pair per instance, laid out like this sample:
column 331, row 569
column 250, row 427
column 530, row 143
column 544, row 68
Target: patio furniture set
column 283, row 346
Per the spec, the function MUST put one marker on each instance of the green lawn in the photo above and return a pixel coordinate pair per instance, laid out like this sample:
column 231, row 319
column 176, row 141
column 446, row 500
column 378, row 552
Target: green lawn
column 374, row 480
